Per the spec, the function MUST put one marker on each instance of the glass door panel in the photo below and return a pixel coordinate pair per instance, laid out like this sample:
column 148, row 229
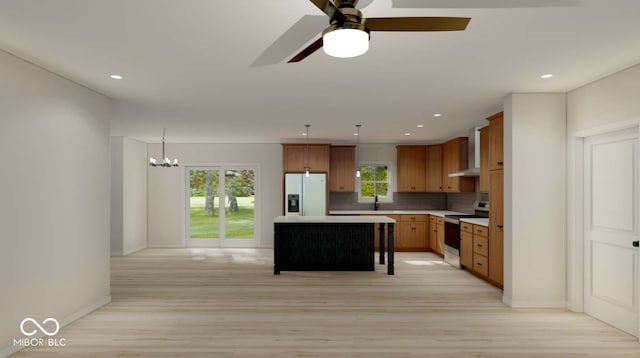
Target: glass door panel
column 221, row 207
column 240, row 204
column 204, row 204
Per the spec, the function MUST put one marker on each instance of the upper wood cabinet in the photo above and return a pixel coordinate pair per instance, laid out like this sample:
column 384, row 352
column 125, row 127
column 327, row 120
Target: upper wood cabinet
column 455, row 158
column 411, row 173
column 296, row 156
column 434, row 168
column 342, row 168
column 484, row 159
column 496, row 145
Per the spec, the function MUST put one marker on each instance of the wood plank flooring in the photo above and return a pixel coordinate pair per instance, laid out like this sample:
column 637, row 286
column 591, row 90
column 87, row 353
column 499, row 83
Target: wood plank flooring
column 228, row 303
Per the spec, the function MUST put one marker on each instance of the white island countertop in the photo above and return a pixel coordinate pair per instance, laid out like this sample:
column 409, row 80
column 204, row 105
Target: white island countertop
column 332, row 219
column 440, row 213
column 476, row 221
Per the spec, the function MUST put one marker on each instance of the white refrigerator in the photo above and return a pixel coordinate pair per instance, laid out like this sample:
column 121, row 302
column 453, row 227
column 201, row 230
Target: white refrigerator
column 305, row 196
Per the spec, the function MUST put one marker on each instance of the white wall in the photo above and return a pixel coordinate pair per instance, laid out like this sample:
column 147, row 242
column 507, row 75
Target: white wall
column 608, row 104
column 535, row 200
column 54, row 206
column 128, row 195
column 166, row 187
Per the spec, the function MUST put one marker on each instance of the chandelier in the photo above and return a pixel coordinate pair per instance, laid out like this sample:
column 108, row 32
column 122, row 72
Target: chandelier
column 166, row 162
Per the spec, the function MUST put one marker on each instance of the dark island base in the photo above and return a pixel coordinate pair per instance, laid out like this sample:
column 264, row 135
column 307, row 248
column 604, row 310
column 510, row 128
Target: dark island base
column 326, row 247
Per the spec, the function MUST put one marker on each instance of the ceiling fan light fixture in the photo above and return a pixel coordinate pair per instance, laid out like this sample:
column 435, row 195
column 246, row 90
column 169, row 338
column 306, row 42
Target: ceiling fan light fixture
column 345, row 43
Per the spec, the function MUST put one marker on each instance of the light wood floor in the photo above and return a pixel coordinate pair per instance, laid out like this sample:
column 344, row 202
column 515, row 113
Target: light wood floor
column 228, row 303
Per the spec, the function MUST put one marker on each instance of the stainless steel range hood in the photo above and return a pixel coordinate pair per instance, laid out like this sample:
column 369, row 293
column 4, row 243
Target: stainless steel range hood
column 474, row 153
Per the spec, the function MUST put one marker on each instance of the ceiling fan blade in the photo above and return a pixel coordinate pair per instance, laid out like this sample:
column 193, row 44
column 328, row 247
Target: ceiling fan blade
column 363, row 3
column 307, row 51
column 475, row 4
column 417, row 23
column 300, row 33
column 327, row 7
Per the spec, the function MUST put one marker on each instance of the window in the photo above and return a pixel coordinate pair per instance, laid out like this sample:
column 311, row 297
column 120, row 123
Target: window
column 374, row 181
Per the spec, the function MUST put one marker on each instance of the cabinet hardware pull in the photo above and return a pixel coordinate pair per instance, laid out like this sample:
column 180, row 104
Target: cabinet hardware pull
column 500, row 163
column 479, row 245
column 500, row 226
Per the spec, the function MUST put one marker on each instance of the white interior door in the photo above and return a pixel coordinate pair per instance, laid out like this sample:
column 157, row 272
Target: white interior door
column 611, row 269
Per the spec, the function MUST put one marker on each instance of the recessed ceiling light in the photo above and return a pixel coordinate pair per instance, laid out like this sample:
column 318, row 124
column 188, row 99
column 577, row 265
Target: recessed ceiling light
column 420, row 126
column 304, row 133
column 548, row 75
column 116, row 77
column 437, row 114
column 355, row 134
column 407, row 133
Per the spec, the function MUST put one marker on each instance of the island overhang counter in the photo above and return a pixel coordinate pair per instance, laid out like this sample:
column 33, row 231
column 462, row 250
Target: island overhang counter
column 331, row 243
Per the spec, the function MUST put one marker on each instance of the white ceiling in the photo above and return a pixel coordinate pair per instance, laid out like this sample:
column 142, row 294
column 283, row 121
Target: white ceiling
column 189, row 65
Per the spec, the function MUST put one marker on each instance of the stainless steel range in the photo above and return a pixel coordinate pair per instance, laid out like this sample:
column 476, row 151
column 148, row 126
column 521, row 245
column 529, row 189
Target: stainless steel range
column 452, row 232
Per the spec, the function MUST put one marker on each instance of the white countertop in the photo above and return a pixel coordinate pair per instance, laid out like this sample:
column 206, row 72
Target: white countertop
column 333, row 219
column 440, row 213
column 476, row 221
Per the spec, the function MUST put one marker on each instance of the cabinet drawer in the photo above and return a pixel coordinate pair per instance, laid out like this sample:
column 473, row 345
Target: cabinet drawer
column 481, row 230
column 480, row 264
column 481, row 245
column 466, row 226
column 440, row 220
column 413, row 218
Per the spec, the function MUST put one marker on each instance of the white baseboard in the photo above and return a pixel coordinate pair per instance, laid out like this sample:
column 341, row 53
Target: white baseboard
column 533, row 304
column 135, row 249
column 9, row 350
column 116, row 253
column 165, row 246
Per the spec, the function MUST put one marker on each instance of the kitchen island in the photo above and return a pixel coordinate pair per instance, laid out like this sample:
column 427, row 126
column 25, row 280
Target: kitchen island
column 330, row 243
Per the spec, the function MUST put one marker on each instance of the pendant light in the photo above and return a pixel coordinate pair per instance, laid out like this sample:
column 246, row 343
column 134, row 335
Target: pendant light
column 358, row 150
column 306, row 167
column 166, row 162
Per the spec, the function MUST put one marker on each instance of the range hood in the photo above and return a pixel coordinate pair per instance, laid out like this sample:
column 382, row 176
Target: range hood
column 474, row 153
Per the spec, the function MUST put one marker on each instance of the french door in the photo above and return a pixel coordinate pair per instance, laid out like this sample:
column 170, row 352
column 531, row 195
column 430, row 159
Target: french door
column 221, row 206
column 612, row 283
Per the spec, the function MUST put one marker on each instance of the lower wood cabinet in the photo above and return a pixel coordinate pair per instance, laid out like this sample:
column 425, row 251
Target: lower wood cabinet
column 466, row 249
column 433, row 232
column 412, row 233
column 439, row 236
column 479, row 249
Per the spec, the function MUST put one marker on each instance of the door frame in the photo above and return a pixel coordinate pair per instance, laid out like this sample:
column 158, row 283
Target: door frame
column 222, row 241
column 575, row 207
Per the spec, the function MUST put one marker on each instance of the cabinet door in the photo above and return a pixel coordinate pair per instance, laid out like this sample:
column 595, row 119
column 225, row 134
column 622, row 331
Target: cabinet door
column 293, row 158
column 411, row 171
column 319, row 158
column 342, row 169
column 440, row 237
column 434, row 168
column 455, row 158
column 466, row 249
column 296, row 156
column 413, row 237
column 496, row 145
column 433, row 233
column 484, row 159
column 496, row 227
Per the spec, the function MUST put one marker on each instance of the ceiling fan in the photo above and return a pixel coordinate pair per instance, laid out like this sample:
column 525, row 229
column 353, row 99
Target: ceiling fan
column 348, row 32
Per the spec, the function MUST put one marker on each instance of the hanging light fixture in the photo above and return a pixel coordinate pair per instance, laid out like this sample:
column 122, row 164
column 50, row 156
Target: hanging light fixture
column 166, row 162
column 306, row 167
column 358, row 150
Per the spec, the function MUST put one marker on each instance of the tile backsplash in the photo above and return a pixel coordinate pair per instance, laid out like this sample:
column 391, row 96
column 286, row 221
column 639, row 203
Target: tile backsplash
column 462, row 202
column 401, row 201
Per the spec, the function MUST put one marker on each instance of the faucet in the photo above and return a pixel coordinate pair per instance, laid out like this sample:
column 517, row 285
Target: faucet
column 375, row 203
